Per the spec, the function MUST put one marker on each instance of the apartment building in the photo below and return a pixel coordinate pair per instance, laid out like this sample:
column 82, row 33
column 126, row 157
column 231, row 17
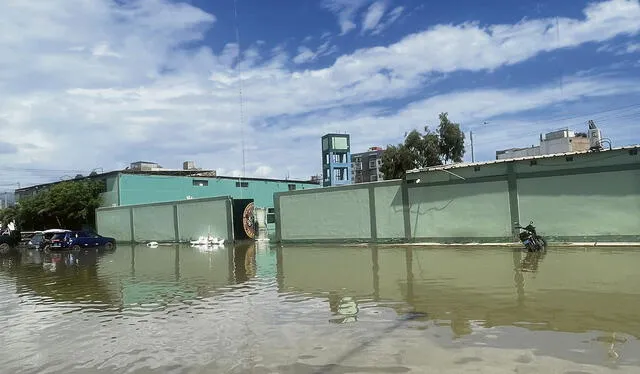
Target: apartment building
column 365, row 166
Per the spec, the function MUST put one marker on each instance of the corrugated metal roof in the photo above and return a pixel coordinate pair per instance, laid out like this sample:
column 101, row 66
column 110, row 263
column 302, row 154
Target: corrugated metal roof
column 525, row 158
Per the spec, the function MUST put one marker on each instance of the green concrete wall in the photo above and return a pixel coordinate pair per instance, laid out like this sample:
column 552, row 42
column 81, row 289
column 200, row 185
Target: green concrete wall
column 583, row 197
column 584, row 205
column 328, row 214
column 154, row 222
column 168, row 222
column 114, row 223
column 459, row 212
column 389, row 210
column 197, row 219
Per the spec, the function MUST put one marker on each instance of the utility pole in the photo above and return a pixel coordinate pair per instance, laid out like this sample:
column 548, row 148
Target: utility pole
column 472, row 156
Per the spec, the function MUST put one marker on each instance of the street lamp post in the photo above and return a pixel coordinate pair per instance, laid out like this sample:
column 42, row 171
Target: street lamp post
column 473, row 158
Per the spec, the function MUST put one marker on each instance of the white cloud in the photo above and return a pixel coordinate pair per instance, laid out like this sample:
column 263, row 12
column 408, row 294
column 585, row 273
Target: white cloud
column 620, row 49
column 373, row 15
column 392, row 17
column 305, row 54
column 105, row 85
column 633, row 47
column 346, row 11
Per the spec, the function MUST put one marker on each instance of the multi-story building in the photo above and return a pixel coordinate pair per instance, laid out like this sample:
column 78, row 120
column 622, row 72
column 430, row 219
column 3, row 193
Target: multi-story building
column 561, row 141
column 336, row 156
column 365, row 166
column 7, row 199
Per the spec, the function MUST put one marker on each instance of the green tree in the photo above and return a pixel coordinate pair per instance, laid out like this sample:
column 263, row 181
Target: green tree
column 9, row 214
column 451, row 140
column 68, row 204
column 395, row 161
column 421, row 150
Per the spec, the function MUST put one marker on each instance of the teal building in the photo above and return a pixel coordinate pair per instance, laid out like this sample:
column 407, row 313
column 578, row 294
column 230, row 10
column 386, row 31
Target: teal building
column 136, row 187
column 133, row 188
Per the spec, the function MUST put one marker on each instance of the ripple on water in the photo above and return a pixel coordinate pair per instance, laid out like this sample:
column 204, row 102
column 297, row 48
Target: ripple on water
column 177, row 309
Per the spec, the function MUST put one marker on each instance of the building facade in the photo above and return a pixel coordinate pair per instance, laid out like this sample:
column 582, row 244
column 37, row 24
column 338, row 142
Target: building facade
column 136, row 187
column 561, row 141
column 336, row 160
column 365, row 166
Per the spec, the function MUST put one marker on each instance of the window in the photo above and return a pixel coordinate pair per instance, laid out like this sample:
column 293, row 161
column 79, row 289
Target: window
column 373, row 178
column 372, row 163
column 271, row 215
column 242, row 184
column 292, row 187
column 200, row 182
column 340, row 142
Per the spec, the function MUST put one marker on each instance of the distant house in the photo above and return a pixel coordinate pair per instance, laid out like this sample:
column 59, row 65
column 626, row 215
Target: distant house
column 561, row 141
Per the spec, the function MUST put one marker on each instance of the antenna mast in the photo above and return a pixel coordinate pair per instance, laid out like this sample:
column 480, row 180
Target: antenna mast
column 235, row 11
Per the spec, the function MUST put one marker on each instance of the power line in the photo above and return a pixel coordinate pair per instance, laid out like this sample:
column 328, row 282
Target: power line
column 11, row 168
column 567, row 118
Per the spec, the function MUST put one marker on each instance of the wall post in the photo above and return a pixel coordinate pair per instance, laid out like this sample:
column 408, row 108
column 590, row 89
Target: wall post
column 406, row 212
column 514, row 206
column 229, row 205
column 176, row 227
column 133, row 231
column 372, row 213
column 278, row 216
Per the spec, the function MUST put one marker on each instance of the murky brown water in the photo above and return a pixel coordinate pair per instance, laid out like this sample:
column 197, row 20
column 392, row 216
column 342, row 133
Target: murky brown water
column 320, row 310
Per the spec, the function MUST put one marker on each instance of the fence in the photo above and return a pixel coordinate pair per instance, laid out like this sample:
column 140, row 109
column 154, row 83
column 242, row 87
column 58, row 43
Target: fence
column 581, row 197
column 177, row 221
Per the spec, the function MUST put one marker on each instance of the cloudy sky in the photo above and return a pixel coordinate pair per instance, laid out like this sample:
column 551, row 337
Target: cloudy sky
column 91, row 84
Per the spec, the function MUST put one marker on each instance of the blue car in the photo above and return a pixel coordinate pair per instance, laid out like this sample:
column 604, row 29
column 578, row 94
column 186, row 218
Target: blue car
column 80, row 239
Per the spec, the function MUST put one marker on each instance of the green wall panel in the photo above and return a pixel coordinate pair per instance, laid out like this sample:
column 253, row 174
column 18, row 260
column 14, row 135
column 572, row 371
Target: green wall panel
column 389, row 211
column 144, row 189
column 154, row 222
column 599, row 204
column 200, row 218
column 341, row 213
column 115, row 223
column 473, row 210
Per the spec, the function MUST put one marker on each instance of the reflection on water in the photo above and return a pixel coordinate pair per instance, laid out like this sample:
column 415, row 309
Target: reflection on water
column 255, row 308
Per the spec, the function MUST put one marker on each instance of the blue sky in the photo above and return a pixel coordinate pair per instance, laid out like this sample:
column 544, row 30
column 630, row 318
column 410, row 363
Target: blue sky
column 103, row 83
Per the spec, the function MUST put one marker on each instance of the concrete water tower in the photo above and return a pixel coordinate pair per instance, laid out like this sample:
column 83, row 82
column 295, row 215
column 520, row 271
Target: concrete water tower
column 336, row 160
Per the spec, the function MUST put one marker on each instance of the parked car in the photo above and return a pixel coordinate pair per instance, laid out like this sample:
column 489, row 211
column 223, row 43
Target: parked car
column 43, row 238
column 80, row 239
column 9, row 240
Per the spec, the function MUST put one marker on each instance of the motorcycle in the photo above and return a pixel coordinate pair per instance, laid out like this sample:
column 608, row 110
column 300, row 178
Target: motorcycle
column 530, row 238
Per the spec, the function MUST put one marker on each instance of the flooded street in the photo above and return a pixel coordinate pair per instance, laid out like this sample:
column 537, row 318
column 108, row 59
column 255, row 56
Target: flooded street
column 261, row 309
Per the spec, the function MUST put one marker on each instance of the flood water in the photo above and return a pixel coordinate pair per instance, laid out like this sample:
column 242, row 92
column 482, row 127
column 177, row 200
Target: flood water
column 260, row 309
